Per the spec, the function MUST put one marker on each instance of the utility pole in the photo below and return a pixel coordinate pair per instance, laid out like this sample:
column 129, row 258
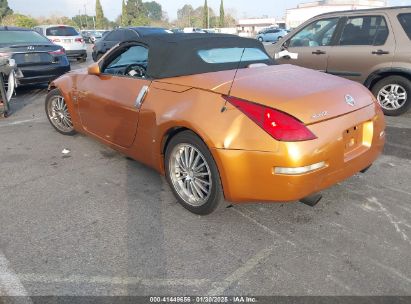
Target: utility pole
column 85, row 13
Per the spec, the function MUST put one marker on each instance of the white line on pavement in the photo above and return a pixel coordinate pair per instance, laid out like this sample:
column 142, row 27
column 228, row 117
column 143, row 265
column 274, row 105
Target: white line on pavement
column 19, row 122
column 240, row 272
column 75, row 279
column 10, row 284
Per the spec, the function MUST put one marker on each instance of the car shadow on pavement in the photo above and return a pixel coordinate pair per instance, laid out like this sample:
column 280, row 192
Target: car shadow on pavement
column 26, row 95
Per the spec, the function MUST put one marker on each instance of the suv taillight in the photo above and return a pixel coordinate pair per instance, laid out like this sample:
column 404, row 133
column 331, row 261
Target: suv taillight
column 81, row 40
column 281, row 126
column 57, row 52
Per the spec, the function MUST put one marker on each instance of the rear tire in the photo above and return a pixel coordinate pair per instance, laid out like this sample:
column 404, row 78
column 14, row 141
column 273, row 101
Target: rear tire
column 393, row 93
column 193, row 174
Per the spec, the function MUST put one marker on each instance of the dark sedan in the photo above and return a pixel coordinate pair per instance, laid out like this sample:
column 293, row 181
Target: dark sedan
column 123, row 34
column 38, row 59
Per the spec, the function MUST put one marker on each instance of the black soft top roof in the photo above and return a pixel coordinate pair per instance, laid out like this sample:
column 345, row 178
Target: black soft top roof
column 172, row 55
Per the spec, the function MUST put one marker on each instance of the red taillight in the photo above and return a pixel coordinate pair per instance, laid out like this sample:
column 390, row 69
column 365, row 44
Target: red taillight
column 79, row 40
column 279, row 125
column 55, row 40
column 57, row 52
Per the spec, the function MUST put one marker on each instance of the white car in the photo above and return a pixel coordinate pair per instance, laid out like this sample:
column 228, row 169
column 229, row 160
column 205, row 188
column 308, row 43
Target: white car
column 67, row 37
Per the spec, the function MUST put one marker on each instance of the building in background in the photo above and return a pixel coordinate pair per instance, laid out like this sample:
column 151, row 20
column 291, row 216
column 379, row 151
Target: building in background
column 304, row 11
column 250, row 27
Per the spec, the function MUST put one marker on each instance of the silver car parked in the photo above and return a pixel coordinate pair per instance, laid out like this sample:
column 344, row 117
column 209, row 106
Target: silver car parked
column 271, row 35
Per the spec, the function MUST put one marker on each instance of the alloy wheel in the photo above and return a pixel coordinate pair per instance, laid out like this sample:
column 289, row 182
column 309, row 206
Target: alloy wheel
column 392, row 97
column 59, row 115
column 190, row 174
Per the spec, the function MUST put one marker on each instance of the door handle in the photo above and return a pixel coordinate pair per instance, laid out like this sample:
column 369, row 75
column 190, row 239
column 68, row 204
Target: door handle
column 141, row 96
column 319, row 52
column 380, row 52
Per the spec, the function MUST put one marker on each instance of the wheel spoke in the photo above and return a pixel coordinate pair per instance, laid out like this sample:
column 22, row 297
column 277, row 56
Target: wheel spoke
column 196, row 188
column 191, row 158
column 202, row 181
column 200, row 186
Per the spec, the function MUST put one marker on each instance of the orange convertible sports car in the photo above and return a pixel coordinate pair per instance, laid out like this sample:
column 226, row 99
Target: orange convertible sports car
column 220, row 119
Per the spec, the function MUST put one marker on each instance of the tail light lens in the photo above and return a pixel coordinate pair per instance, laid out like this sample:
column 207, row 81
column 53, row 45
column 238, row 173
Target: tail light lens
column 58, row 52
column 5, row 55
column 55, row 40
column 81, row 40
column 279, row 125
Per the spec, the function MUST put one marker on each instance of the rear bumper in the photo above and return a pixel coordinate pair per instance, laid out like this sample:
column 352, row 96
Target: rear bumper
column 41, row 74
column 249, row 175
column 76, row 53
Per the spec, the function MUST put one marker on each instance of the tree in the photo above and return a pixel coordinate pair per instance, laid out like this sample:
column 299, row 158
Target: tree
column 154, row 10
column 5, row 10
column 205, row 15
column 100, row 19
column 136, row 13
column 19, row 20
column 185, row 16
column 222, row 14
column 83, row 21
column 124, row 14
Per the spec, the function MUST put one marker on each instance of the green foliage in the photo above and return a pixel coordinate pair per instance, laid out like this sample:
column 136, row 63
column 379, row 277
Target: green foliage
column 83, row 21
column 222, row 14
column 205, row 15
column 154, row 10
column 136, row 13
column 124, row 14
column 19, row 20
column 5, row 10
column 101, row 21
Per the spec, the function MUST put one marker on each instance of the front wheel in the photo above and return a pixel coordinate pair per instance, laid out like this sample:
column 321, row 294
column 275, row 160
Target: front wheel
column 260, row 39
column 393, row 93
column 192, row 174
column 58, row 114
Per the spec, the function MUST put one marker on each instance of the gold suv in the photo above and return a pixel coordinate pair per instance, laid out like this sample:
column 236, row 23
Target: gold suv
column 371, row 46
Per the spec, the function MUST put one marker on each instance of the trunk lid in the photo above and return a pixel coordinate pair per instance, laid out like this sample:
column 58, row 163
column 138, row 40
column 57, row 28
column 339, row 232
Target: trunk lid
column 32, row 54
column 306, row 94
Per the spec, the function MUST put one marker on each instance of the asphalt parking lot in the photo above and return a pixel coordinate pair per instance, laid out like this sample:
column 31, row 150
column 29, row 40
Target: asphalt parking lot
column 93, row 222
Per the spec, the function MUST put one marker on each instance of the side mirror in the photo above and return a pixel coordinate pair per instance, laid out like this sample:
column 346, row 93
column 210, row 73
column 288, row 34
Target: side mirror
column 94, row 69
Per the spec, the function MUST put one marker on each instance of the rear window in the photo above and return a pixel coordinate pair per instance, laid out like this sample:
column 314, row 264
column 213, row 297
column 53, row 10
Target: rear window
column 61, row 31
column 21, row 37
column 230, row 55
column 405, row 20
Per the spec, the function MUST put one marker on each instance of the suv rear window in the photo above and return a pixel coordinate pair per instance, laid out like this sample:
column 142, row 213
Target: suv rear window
column 61, row 31
column 405, row 20
column 21, row 37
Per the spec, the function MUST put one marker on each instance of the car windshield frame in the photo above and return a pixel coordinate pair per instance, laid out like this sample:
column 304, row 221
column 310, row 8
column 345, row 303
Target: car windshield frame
column 18, row 36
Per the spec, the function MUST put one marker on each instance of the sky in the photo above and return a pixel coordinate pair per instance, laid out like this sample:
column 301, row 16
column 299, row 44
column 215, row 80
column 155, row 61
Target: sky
column 112, row 8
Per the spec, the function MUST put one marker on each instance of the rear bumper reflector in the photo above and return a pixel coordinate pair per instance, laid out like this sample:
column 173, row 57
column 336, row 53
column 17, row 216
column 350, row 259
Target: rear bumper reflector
column 299, row 170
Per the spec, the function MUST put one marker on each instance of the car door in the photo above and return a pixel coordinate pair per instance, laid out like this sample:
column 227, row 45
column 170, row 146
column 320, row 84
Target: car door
column 366, row 43
column 109, row 103
column 312, row 44
column 270, row 35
